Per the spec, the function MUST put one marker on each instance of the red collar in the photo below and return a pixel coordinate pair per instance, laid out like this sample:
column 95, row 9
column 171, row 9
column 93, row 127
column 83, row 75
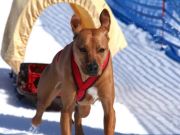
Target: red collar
column 83, row 86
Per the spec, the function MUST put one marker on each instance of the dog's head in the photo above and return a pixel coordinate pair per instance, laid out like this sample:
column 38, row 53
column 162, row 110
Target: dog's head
column 90, row 46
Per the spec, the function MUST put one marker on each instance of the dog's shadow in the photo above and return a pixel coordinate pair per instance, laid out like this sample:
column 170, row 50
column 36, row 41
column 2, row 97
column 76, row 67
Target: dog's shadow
column 21, row 126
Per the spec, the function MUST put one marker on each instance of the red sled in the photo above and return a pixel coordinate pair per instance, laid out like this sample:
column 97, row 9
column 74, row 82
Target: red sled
column 27, row 82
column 28, row 77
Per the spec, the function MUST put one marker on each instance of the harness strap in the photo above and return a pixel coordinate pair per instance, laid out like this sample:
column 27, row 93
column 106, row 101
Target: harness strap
column 83, row 86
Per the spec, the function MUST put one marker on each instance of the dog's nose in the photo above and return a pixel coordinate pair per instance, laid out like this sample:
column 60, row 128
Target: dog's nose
column 92, row 68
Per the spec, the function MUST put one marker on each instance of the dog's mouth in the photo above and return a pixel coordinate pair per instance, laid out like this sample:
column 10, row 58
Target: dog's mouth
column 92, row 73
column 91, row 69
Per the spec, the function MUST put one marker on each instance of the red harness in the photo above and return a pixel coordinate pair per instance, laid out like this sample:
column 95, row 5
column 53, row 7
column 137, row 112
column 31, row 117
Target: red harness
column 83, row 86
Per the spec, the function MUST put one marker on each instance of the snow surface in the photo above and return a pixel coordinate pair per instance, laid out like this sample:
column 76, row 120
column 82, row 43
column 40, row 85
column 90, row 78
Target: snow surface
column 15, row 114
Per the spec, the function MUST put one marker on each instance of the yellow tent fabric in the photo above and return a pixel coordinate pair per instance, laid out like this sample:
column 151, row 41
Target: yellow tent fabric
column 25, row 12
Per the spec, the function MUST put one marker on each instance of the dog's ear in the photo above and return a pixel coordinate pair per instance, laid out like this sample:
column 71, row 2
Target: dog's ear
column 76, row 24
column 105, row 19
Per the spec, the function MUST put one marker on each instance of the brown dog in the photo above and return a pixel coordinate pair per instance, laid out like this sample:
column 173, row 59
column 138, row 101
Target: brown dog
column 90, row 53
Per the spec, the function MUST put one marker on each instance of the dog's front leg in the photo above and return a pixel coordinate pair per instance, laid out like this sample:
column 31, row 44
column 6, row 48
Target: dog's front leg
column 81, row 111
column 66, row 122
column 66, row 113
column 78, row 122
column 109, row 116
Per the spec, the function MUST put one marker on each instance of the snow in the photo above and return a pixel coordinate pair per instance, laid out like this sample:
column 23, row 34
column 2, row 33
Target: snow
column 15, row 114
column 150, row 83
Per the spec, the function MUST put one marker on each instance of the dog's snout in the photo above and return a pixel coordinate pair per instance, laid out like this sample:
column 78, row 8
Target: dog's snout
column 92, row 68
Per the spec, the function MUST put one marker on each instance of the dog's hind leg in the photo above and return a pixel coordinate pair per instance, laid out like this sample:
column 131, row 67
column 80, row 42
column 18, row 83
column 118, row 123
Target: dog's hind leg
column 42, row 105
column 39, row 112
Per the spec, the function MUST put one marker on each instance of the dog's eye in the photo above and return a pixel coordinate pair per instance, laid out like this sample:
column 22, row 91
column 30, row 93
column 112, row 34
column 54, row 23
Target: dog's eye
column 101, row 50
column 83, row 50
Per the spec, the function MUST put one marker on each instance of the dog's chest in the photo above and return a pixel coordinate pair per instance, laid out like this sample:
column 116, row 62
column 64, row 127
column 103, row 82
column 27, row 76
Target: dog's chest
column 90, row 97
column 93, row 92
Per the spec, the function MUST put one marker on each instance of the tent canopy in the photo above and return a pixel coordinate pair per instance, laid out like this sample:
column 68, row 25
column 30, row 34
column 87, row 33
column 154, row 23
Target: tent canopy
column 24, row 13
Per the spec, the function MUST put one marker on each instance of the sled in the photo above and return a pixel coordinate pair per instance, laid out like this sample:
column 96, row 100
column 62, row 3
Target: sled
column 27, row 82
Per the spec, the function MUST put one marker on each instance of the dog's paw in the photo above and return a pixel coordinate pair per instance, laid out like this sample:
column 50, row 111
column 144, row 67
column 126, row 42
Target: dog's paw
column 36, row 121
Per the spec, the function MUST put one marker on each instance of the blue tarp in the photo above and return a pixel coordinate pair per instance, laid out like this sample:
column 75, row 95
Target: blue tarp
column 162, row 22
